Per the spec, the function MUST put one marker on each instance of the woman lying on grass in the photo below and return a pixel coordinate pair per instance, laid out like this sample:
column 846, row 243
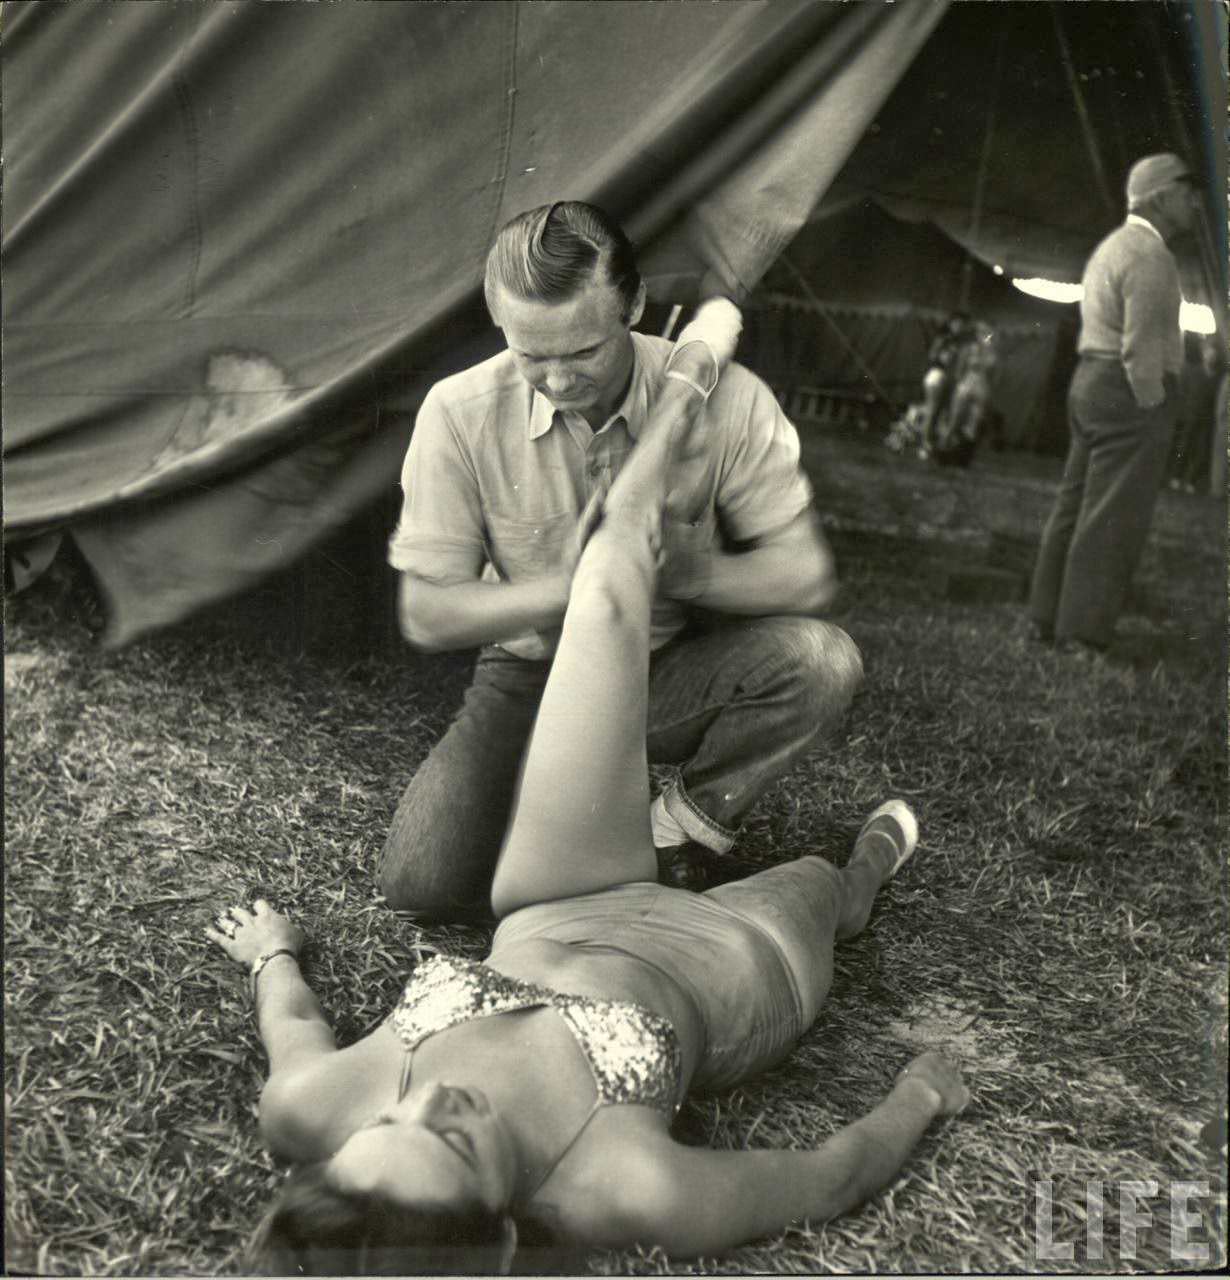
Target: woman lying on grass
column 540, row 1085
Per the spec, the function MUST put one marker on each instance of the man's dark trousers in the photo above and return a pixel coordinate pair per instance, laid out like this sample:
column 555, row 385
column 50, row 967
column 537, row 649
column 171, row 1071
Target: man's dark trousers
column 734, row 704
column 1100, row 521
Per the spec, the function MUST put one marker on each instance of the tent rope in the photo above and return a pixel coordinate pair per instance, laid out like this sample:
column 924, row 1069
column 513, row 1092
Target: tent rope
column 984, row 163
column 826, row 316
column 1082, row 113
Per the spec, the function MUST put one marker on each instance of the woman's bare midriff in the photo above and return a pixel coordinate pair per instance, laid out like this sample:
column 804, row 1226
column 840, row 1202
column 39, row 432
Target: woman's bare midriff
column 606, row 974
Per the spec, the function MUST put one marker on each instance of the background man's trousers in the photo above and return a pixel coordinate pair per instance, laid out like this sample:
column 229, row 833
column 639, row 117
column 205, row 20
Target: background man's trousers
column 1098, row 526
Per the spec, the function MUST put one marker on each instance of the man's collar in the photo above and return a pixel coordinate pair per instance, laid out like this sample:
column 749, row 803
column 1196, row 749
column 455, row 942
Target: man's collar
column 1135, row 220
column 542, row 414
column 633, row 407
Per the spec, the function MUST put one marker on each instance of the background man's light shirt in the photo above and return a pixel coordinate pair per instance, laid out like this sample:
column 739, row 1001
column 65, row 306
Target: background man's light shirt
column 1131, row 306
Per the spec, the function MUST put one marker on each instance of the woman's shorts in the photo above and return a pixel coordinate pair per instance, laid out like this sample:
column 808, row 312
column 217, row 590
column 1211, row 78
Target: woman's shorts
column 754, row 956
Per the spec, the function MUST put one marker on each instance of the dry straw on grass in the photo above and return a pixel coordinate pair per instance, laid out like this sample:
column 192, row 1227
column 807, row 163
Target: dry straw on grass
column 1060, row 930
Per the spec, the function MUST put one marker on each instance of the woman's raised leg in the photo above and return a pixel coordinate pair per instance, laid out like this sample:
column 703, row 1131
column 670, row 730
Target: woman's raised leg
column 581, row 819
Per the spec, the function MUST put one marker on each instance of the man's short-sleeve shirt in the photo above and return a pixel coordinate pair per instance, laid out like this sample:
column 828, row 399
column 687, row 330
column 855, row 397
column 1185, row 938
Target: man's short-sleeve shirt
column 495, row 477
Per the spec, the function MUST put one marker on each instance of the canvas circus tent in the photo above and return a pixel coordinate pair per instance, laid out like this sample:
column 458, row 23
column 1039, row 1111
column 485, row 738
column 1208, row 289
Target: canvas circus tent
column 238, row 237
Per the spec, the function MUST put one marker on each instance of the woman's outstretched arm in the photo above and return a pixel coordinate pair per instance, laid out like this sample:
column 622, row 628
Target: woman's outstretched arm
column 297, row 1037
column 689, row 1200
column 291, row 1023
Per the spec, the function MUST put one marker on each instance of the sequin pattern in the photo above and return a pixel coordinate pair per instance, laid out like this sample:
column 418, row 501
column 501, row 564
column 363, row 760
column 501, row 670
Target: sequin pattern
column 632, row 1053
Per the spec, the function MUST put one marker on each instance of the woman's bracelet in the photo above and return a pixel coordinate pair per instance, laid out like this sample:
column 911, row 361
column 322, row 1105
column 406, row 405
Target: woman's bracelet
column 262, row 960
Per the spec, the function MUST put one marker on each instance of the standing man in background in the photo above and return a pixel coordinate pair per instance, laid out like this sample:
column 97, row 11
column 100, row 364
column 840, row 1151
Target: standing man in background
column 507, row 461
column 1122, row 408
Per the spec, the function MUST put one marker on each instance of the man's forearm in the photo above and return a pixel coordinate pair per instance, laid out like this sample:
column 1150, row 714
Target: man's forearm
column 761, row 582
column 1146, row 377
column 1150, row 321
column 464, row 615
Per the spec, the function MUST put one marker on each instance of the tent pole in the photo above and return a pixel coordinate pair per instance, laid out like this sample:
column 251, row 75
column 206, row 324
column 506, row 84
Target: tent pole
column 1211, row 269
column 1174, row 117
column 828, row 319
column 1214, row 279
column 672, row 320
column 1082, row 112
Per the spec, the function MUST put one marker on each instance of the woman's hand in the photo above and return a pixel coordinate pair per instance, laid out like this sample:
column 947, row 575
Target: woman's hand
column 941, row 1076
column 245, row 935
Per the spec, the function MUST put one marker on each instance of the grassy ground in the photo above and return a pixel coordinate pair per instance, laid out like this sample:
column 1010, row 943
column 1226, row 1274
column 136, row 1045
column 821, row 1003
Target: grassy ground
column 1061, row 931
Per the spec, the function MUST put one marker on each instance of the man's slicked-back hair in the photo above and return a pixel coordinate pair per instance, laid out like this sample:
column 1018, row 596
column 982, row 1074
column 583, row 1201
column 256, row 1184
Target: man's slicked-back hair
column 551, row 253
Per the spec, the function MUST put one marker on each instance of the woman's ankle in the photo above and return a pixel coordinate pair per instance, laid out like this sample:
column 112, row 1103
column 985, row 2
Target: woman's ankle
column 860, row 884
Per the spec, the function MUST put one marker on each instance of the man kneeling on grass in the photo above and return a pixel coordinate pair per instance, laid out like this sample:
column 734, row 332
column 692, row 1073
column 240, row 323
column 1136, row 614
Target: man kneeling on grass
column 505, row 460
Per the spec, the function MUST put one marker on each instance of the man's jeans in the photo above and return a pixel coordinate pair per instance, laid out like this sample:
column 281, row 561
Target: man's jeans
column 1099, row 524
column 735, row 705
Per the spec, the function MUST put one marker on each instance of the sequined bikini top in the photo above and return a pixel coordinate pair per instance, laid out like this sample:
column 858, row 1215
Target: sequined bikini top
column 632, row 1052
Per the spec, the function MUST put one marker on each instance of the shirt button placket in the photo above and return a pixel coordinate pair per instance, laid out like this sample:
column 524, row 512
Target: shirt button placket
column 596, row 469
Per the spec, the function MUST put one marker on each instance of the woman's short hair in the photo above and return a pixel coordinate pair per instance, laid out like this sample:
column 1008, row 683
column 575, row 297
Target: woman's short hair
column 551, row 253
column 314, row 1229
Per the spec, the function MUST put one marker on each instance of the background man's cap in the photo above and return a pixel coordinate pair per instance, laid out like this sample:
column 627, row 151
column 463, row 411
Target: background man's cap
column 1151, row 174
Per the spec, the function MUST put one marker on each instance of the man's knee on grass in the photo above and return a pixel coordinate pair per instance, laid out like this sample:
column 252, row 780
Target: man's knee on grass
column 432, row 893
column 825, row 665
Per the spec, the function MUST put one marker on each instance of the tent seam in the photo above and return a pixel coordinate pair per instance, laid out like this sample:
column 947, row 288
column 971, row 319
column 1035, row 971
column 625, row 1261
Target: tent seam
column 500, row 178
column 192, row 138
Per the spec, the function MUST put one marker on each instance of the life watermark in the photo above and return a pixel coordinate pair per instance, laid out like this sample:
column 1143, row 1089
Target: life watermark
column 1137, row 1207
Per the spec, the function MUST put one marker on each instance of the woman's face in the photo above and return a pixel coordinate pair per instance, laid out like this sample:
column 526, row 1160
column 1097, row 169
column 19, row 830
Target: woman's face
column 441, row 1145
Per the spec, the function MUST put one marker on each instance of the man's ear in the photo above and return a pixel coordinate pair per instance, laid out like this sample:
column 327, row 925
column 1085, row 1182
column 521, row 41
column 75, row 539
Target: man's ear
column 492, row 297
column 636, row 310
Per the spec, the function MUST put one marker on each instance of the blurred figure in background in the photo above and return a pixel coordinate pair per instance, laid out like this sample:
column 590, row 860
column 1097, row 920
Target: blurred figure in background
column 961, row 428
column 1191, row 457
column 940, row 379
column 947, row 424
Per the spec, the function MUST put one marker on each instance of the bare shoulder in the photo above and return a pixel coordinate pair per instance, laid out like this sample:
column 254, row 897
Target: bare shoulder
column 309, row 1110
column 614, row 1187
column 291, row 1114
